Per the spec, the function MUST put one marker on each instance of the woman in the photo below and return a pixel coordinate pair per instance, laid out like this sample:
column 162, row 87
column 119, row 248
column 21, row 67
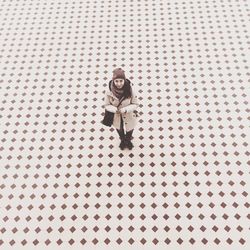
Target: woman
column 122, row 101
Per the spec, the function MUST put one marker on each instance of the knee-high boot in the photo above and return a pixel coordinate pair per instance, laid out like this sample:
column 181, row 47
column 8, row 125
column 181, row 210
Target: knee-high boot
column 128, row 138
column 122, row 136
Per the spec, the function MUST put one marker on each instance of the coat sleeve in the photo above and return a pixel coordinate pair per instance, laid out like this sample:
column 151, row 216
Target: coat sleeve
column 108, row 106
column 133, row 104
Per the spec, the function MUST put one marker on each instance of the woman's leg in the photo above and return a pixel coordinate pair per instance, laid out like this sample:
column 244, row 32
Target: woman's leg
column 129, row 134
column 122, row 135
column 121, row 130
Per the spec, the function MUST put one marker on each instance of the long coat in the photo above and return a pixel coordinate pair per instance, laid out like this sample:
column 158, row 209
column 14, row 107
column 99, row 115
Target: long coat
column 131, row 104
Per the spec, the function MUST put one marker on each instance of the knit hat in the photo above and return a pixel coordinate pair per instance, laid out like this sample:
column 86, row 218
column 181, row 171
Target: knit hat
column 118, row 73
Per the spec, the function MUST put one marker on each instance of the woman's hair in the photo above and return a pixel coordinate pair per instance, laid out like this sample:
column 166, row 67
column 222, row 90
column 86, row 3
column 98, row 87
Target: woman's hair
column 126, row 88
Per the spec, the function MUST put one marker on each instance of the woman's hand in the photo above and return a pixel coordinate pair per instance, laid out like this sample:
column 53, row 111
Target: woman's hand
column 118, row 111
column 123, row 110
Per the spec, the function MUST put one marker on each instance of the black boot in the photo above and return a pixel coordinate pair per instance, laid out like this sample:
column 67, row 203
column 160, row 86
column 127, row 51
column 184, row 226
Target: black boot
column 122, row 144
column 128, row 138
column 122, row 138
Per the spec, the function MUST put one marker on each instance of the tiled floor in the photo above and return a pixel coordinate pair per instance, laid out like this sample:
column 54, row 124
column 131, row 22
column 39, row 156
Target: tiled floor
column 65, row 182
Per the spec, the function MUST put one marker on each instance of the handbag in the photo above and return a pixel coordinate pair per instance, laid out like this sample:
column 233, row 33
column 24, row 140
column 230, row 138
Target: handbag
column 108, row 118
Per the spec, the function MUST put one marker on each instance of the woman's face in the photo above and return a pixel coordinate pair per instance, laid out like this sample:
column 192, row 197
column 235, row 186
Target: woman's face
column 119, row 83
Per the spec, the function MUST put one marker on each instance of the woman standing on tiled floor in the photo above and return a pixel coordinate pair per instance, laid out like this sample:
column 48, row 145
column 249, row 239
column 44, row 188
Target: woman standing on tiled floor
column 120, row 91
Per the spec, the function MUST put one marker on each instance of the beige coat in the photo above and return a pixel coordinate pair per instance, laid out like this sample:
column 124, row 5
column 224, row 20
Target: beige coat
column 131, row 104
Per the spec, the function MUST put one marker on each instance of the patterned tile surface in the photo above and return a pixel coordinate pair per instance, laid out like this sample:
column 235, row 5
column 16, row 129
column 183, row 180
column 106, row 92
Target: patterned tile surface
column 65, row 182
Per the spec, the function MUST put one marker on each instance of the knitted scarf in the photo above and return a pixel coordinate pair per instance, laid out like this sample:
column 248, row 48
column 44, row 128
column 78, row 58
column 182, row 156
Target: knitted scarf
column 117, row 92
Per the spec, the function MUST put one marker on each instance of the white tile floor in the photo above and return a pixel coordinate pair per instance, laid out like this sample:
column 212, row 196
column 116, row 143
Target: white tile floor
column 65, row 182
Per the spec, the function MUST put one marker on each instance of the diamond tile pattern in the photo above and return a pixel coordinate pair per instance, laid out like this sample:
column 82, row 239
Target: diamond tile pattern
column 64, row 180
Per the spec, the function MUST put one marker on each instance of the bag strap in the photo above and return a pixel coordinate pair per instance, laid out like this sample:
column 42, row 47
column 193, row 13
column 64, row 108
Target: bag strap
column 120, row 101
